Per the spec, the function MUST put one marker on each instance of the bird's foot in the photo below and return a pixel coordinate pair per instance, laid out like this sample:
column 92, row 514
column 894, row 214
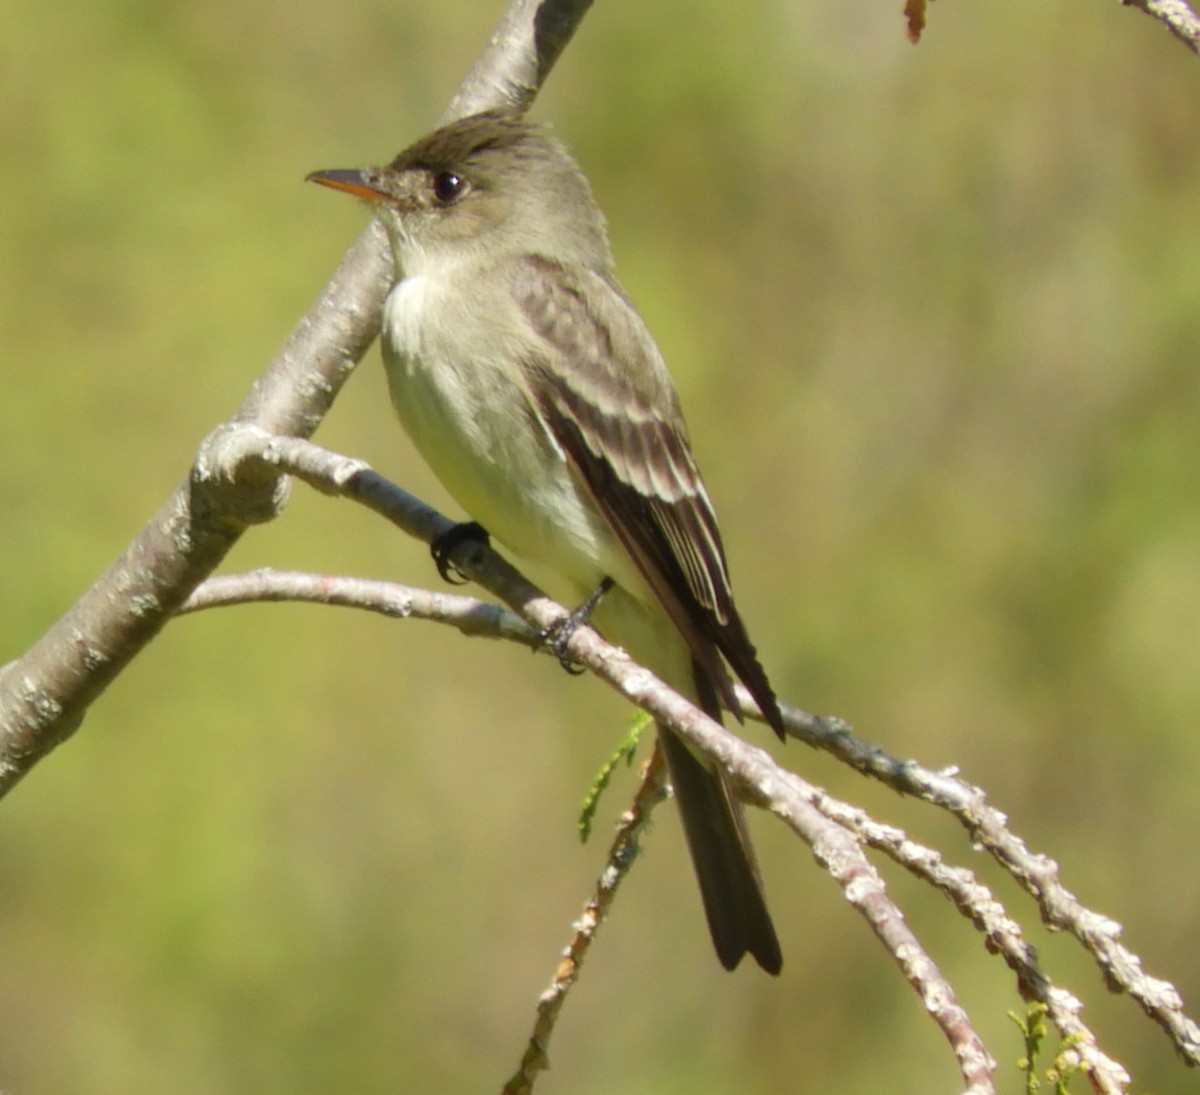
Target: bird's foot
column 556, row 637
column 452, row 538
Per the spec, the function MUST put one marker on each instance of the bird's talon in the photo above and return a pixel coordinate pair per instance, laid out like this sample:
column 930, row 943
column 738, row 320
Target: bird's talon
column 557, row 635
column 555, row 638
column 448, row 542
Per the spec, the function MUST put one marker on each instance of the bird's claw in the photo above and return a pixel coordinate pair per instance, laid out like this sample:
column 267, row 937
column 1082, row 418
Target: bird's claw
column 557, row 635
column 452, row 538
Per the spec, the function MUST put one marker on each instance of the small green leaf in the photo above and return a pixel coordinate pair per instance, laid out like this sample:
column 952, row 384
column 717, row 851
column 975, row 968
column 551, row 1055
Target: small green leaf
column 625, row 752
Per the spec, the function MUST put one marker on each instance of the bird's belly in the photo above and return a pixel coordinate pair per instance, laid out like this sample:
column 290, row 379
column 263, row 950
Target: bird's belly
column 473, row 424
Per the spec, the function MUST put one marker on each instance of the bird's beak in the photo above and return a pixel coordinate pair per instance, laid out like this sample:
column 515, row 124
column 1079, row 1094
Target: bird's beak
column 352, row 181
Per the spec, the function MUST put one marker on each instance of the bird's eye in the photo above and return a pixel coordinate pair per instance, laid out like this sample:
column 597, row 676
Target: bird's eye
column 448, row 187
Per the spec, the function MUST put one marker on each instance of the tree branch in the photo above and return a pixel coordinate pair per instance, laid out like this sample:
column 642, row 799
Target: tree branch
column 1037, row 874
column 233, row 453
column 1176, row 16
column 974, row 900
column 468, row 615
column 833, row 829
column 45, row 694
column 621, row 857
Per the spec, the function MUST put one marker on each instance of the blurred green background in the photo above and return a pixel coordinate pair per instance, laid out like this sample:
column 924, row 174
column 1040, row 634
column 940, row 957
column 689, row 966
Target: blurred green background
column 934, row 313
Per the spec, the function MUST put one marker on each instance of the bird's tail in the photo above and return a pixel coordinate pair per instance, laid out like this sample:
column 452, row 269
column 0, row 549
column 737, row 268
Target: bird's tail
column 713, row 820
column 726, row 869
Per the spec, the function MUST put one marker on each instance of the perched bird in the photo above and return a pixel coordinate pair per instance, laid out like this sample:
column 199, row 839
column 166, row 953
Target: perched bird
column 534, row 391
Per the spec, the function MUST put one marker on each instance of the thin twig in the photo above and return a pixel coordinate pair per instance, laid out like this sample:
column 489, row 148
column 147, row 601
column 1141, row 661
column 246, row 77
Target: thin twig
column 622, row 853
column 1037, row 874
column 469, row 615
column 755, row 775
column 1001, row 934
column 1176, row 16
column 474, row 617
column 986, row 825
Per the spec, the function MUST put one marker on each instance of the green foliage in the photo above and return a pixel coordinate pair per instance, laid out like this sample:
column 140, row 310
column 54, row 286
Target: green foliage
column 1065, row 1065
column 625, row 752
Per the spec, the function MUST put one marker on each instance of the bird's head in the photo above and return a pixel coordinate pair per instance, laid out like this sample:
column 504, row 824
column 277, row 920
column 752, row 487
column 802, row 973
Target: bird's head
column 486, row 185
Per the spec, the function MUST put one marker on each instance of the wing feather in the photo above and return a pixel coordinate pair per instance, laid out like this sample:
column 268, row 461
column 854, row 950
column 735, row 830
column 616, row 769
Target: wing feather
column 607, row 399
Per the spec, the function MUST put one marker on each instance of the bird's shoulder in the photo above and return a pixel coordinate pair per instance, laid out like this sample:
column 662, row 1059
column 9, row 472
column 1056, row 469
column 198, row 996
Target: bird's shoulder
column 593, row 339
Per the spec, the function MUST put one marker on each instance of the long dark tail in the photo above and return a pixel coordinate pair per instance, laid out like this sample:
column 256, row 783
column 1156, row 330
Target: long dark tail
column 721, row 854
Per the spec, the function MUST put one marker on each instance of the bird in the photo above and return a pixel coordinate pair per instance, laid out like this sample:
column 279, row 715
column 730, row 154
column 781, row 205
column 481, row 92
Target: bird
column 534, row 391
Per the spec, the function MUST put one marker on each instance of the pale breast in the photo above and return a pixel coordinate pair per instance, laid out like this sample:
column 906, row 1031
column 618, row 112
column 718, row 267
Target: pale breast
column 453, row 368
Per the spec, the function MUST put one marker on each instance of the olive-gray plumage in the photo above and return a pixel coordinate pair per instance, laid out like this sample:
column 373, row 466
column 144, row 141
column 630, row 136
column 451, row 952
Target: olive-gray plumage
column 533, row 389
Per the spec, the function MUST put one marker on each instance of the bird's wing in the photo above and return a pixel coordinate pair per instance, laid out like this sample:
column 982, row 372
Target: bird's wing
column 605, row 395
